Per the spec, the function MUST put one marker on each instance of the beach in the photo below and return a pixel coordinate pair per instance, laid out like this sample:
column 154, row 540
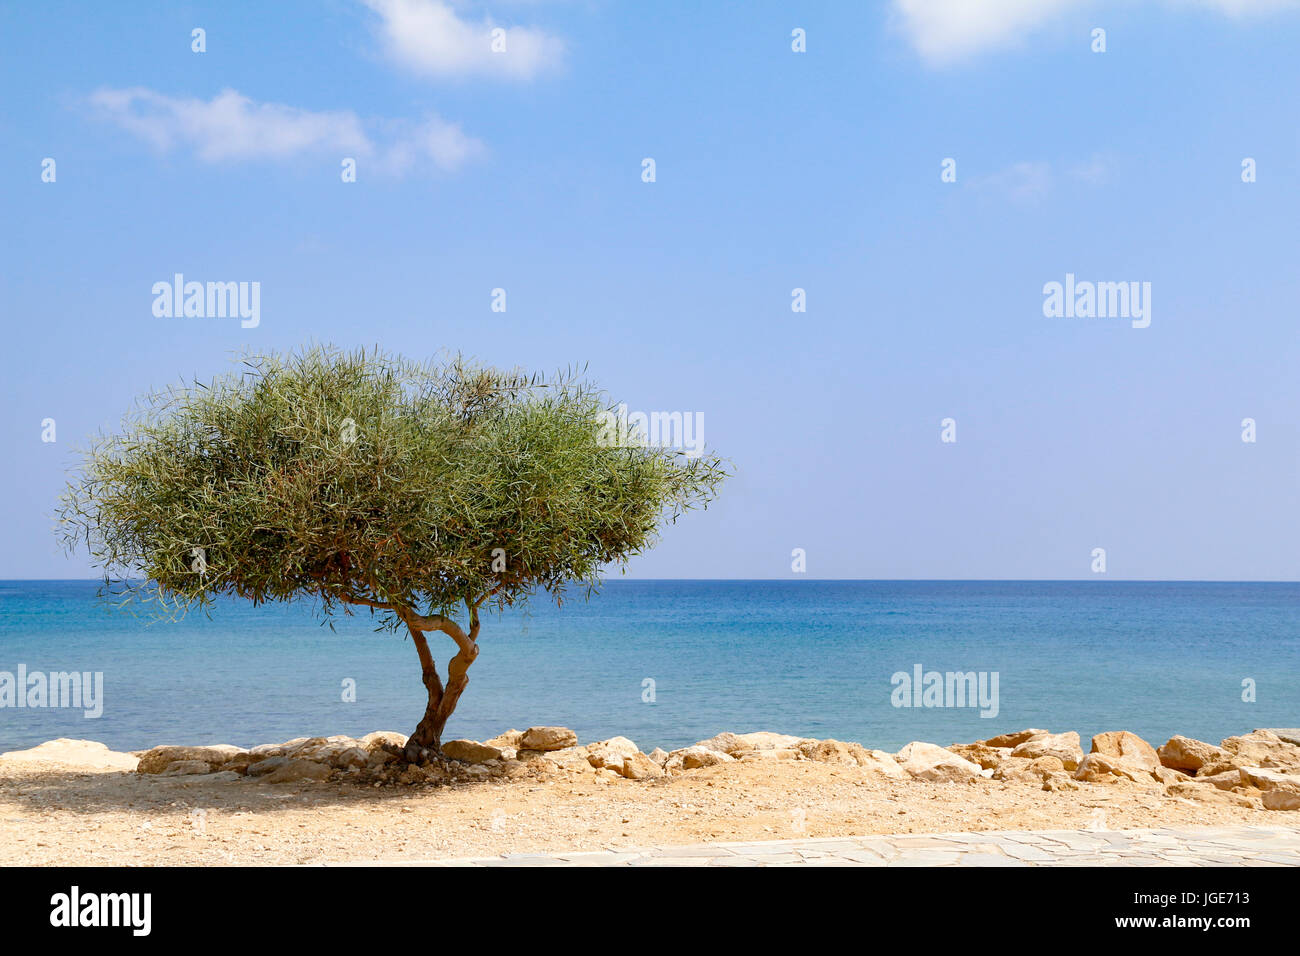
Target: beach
column 78, row 803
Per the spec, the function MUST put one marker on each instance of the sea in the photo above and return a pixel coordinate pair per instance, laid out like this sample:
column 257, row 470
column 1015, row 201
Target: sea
column 668, row 663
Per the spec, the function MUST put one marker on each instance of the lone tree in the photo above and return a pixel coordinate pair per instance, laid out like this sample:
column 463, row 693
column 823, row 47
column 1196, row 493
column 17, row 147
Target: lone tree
column 420, row 491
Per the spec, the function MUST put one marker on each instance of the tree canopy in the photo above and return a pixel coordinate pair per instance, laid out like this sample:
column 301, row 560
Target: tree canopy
column 363, row 477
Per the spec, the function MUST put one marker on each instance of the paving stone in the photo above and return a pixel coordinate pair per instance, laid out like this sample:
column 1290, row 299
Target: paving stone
column 1167, row 846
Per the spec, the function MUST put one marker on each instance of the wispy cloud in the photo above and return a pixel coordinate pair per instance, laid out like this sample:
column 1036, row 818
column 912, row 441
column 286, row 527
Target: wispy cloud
column 946, row 31
column 429, row 38
column 1022, row 182
column 1030, row 181
column 231, row 127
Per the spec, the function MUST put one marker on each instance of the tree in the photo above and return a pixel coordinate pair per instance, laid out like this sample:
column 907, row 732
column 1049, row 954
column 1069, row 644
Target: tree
column 363, row 480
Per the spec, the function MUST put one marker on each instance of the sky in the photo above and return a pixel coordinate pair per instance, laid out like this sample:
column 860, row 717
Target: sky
column 775, row 168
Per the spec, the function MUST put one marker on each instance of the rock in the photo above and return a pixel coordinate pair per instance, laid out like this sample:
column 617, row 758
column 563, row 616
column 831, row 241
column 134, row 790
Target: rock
column 179, row 768
column 640, row 767
column 784, row 754
column 659, row 756
column 470, row 751
column 239, row 765
column 547, row 738
column 1206, row 793
column 1104, row 768
column 1281, row 800
column 693, row 758
column 733, row 744
column 570, row 758
column 724, row 743
column 611, row 753
column 1260, row 748
column 1025, row 770
column 1128, row 747
column 295, row 769
column 1169, row 775
column 932, row 763
column 372, row 742
column 828, row 751
column 1264, row 779
column 350, row 757
column 1012, row 740
column 1185, row 753
column 510, row 740
column 986, row 756
column 1064, row 746
column 78, row 754
column 157, row 759
column 1227, row 780
column 1056, row 782
column 264, row 767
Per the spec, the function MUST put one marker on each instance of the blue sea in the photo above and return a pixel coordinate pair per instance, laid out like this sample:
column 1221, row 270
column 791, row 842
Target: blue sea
column 670, row 662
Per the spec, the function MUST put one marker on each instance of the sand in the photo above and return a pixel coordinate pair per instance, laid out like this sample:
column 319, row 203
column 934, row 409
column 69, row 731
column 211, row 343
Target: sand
column 83, row 810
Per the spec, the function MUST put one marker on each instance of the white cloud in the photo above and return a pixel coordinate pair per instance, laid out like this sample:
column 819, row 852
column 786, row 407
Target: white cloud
column 232, row 127
column 947, row 30
column 944, row 31
column 1023, row 182
column 429, row 38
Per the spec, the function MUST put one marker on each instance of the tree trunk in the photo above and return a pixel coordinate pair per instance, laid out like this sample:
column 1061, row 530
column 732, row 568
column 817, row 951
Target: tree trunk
column 427, row 738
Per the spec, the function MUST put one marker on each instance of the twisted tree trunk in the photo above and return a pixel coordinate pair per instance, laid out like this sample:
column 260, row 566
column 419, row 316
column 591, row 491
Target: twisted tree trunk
column 427, row 737
column 426, row 741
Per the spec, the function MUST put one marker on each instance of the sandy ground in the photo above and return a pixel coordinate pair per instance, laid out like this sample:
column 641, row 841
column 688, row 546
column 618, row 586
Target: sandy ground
column 51, row 814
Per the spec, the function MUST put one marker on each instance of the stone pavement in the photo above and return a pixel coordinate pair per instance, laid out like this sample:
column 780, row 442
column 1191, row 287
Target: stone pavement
column 1169, row 846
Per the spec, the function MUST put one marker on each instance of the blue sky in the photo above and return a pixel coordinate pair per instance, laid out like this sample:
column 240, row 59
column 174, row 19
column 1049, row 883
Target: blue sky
column 775, row 170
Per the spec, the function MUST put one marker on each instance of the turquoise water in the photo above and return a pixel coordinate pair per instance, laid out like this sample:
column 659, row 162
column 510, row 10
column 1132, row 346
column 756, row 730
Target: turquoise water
column 813, row 658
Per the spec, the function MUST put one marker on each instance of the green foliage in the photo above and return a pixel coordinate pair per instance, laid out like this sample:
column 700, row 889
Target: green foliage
column 331, row 475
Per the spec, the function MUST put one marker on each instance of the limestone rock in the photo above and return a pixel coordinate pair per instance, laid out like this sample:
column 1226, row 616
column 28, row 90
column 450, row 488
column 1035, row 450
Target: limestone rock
column 986, row 756
column 640, row 767
column 1168, row 775
column 1064, row 746
column 695, row 757
column 568, row 758
column 659, row 756
column 723, row 743
column 1128, row 747
column 1281, row 800
column 371, row 742
column 732, row 744
column 1207, row 793
column 1186, row 753
column 1260, row 748
column 1227, row 780
column 1264, row 779
column 782, row 754
column 80, row 754
column 264, row 767
column 1013, row 740
column 611, row 753
column 932, row 763
column 1105, row 768
column 510, row 740
column 547, row 738
column 1025, row 770
column 157, row 759
column 470, row 751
